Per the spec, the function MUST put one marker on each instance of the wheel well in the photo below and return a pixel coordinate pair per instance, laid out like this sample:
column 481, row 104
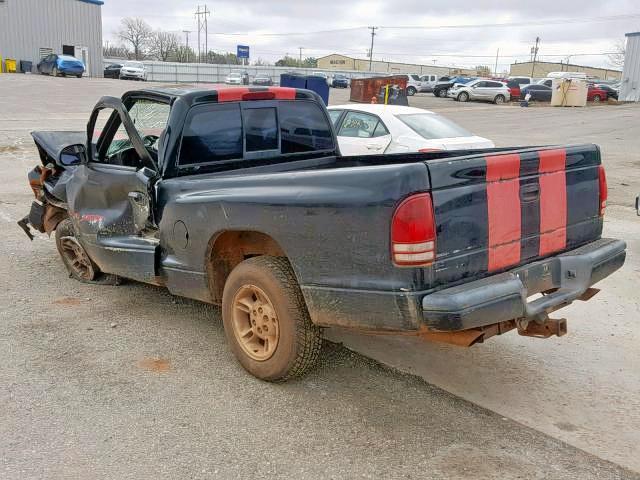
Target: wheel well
column 228, row 249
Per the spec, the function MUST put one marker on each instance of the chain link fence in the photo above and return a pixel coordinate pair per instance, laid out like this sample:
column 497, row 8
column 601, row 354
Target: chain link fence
column 174, row 72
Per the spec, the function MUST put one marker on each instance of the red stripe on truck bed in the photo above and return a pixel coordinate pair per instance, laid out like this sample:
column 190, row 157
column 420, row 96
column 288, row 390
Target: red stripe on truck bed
column 503, row 203
column 553, row 200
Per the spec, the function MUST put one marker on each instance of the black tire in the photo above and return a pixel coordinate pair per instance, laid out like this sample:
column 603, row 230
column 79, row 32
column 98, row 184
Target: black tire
column 64, row 230
column 54, row 72
column 442, row 93
column 499, row 100
column 299, row 341
column 79, row 76
column 411, row 91
column 596, row 99
column 463, row 97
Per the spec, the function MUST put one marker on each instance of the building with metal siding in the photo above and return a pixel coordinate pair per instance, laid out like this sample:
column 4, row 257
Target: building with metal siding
column 31, row 29
column 630, row 86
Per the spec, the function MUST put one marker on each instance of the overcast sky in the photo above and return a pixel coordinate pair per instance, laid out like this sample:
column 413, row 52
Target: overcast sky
column 467, row 47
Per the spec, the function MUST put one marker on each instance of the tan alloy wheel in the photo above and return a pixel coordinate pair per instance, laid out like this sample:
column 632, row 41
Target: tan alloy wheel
column 77, row 258
column 255, row 323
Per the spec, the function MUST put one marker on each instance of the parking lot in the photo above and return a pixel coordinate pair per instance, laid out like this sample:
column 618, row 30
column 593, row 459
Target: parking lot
column 131, row 382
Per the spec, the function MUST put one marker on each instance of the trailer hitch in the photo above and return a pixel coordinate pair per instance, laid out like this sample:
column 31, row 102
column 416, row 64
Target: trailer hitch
column 550, row 326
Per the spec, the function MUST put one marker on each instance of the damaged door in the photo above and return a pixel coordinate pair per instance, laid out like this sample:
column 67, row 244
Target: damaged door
column 110, row 197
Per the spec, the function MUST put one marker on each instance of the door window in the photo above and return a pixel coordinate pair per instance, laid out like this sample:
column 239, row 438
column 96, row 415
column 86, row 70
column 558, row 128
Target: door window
column 335, row 115
column 150, row 119
column 359, row 125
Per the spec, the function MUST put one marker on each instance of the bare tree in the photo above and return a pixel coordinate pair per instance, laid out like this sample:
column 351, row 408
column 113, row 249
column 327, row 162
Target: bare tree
column 163, row 45
column 184, row 54
column 138, row 33
column 616, row 57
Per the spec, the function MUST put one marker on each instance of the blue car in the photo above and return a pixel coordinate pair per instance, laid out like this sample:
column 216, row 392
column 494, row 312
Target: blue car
column 64, row 65
column 340, row 81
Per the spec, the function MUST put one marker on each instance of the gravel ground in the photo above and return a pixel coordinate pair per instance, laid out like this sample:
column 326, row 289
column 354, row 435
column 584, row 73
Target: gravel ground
column 131, row 382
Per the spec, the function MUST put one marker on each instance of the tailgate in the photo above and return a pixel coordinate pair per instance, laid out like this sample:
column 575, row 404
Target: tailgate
column 495, row 212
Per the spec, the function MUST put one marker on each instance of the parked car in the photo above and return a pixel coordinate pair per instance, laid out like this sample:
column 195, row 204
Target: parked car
column 234, row 78
column 134, row 71
column 441, row 88
column 483, row 90
column 427, row 82
column 113, row 70
column 262, row 79
column 340, row 81
column 596, row 94
column 514, row 89
column 548, row 82
column 611, row 92
column 248, row 203
column 375, row 128
column 538, row 92
column 521, row 81
column 64, row 65
column 413, row 84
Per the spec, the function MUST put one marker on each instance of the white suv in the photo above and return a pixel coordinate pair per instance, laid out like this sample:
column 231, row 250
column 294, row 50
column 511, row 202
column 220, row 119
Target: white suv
column 413, row 84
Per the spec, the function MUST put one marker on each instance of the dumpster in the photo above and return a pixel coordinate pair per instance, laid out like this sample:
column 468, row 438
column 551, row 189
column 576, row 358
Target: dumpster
column 26, row 66
column 364, row 89
column 310, row 82
column 10, row 65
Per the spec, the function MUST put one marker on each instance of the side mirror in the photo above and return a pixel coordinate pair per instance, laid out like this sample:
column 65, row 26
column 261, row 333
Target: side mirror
column 73, row 155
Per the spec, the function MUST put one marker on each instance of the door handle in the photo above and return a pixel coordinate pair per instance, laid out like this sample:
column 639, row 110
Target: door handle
column 373, row 147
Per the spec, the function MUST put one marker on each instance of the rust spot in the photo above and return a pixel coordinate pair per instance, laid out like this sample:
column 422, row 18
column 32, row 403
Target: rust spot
column 158, row 365
column 67, row 301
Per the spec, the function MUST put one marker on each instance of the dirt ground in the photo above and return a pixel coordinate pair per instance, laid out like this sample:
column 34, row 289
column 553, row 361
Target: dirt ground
column 131, row 382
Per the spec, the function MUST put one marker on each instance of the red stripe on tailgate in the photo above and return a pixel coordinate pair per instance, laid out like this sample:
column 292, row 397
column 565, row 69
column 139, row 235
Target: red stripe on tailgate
column 503, row 203
column 553, row 200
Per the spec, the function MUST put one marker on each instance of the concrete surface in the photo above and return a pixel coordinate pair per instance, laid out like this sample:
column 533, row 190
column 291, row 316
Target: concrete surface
column 130, row 382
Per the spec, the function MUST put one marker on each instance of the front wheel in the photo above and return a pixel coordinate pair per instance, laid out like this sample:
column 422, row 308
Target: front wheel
column 463, row 97
column 266, row 320
column 499, row 100
column 442, row 93
column 411, row 91
column 54, row 72
column 596, row 99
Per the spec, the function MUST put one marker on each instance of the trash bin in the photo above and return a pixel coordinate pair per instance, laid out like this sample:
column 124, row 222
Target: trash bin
column 310, row 82
column 10, row 65
column 364, row 89
column 26, row 66
column 392, row 95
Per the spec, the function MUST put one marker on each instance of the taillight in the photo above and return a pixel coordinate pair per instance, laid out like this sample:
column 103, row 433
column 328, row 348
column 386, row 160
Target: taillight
column 413, row 232
column 602, row 183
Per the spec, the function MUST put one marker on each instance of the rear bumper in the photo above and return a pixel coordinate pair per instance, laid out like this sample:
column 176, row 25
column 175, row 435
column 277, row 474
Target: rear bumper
column 490, row 300
column 503, row 297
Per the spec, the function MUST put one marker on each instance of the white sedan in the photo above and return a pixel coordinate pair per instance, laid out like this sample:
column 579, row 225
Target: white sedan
column 365, row 129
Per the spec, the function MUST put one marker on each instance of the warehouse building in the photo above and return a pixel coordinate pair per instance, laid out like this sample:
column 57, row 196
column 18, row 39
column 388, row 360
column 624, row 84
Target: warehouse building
column 32, row 29
column 542, row 69
column 336, row 61
column 630, row 86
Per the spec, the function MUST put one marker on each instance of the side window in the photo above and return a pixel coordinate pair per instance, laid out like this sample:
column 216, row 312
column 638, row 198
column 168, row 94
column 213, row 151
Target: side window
column 481, row 84
column 150, row 119
column 380, row 130
column 335, row 115
column 212, row 133
column 261, row 129
column 495, row 84
column 303, row 127
column 357, row 124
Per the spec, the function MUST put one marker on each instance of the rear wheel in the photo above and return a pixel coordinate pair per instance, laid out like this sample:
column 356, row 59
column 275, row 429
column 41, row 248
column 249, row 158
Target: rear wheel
column 442, row 93
column 54, row 72
column 499, row 100
column 266, row 320
column 411, row 91
column 76, row 259
column 463, row 97
column 596, row 98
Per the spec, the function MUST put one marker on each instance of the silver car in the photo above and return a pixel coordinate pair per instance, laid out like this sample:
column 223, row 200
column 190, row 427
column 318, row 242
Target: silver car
column 484, row 90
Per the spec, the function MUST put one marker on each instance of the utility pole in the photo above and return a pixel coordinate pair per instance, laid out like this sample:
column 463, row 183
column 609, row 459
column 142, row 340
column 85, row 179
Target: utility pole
column 187, row 32
column 373, row 34
column 495, row 69
column 300, row 55
column 203, row 27
column 534, row 50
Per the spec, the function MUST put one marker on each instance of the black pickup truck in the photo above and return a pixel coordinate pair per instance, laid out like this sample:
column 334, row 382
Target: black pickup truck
column 240, row 197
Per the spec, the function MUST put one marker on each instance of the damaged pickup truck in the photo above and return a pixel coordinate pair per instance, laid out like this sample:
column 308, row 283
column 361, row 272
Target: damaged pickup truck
column 240, row 197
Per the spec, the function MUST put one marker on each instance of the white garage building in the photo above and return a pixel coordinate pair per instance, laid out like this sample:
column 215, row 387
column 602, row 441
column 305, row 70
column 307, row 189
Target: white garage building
column 32, row 29
column 630, row 86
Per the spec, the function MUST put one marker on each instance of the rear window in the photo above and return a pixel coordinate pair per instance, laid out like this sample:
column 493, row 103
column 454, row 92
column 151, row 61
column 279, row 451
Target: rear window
column 261, row 129
column 303, row 128
column 431, row 126
column 212, row 133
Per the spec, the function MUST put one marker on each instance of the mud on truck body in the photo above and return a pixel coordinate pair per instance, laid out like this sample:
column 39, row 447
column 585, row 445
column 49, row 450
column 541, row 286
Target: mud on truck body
column 240, row 197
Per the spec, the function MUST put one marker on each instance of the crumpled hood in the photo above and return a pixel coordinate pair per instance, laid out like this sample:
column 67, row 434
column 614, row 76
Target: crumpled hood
column 54, row 142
